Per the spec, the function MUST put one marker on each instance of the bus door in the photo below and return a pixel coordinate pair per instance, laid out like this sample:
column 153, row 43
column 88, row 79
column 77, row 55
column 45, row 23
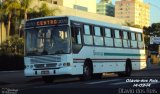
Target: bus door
column 76, row 33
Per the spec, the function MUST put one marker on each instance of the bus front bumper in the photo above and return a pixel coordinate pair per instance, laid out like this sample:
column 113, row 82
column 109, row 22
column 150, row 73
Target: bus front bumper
column 46, row 72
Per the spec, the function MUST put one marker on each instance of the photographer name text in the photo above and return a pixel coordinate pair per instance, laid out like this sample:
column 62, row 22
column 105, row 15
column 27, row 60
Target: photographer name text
column 142, row 82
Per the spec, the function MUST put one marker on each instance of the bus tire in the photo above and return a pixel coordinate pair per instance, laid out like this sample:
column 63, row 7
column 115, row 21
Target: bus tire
column 87, row 70
column 128, row 69
column 48, row 79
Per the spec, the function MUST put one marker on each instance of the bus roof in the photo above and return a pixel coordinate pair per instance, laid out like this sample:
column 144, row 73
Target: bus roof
column 92, row 21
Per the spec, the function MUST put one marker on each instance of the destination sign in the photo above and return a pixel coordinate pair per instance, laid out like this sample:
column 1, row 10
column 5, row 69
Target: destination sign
column 46, row 22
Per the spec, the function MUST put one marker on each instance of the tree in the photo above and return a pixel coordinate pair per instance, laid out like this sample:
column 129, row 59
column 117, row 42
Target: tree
column 1, row 13
column 14, row 46
column 153, row 30
column 10, row 8
column 1, row 19
column 25, row 6
column 42, row 11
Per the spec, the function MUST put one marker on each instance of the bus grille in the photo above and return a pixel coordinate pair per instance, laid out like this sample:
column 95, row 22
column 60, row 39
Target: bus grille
column 45, row 59
column 41, row 66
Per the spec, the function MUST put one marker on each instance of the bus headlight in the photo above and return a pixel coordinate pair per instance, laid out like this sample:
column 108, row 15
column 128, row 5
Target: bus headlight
column 66, row 64
column 27, row 66
column 60, row 64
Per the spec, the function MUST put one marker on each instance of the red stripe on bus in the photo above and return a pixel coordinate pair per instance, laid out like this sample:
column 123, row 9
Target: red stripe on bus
column 109, row 59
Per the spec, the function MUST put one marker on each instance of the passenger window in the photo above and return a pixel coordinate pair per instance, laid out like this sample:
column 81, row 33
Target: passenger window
column 108, row 37
column 125, row 35
column 97, row 31
column 108, row 32
column 139, row 37
column 133, row 36
column 88, row 39
column 140, row 41
column 126, row 41
column 117, row 33
column 118, row 40
column 98, row 39
column 87, row 29
column 133, row 40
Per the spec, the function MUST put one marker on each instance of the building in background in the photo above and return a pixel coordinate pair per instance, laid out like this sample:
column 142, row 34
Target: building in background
column 105, row 7
column 133, row 11
column 75, row 12
column 84, row 5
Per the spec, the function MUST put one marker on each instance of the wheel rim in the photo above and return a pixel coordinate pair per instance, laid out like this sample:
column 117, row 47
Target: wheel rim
column 87, row 71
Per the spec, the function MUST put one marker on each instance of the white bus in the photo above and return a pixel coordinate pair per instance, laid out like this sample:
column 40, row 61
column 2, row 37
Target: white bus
column 70, row 45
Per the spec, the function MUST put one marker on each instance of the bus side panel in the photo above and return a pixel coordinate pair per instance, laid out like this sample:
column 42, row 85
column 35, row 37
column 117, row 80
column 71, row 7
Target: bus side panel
column 107, row 59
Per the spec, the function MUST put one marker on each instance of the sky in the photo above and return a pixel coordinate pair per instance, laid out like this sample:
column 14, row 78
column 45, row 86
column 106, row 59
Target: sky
column 154, row 10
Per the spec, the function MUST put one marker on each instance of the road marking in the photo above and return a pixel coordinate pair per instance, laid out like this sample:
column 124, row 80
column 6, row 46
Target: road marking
column 98, row 82
column 120, row 83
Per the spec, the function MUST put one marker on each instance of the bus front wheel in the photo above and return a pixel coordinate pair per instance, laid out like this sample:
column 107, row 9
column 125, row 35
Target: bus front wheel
column 48, row 79
column 87, row 70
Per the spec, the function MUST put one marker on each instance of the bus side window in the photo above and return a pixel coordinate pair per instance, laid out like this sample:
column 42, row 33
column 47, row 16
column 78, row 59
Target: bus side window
column 88, row 40
column 87, row 30
column 117, row 39
column 126, row 39
column 98, row 37
column 108, row 37
column 133, row 40
column 76, row 39
column 140, row 41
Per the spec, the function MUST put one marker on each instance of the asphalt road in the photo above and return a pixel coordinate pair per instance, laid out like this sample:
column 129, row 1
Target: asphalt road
column 140, row 82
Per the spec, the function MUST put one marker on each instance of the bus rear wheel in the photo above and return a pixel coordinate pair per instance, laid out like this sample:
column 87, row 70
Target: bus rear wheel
column 128, row 69
column 48, row 79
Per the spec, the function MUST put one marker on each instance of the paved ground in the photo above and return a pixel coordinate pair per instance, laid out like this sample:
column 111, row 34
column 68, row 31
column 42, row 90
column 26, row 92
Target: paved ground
column 149, row 71
column 15, row 77
column 16, row 80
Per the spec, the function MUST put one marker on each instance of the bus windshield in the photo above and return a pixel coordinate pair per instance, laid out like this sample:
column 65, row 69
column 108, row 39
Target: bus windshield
column 47, row 40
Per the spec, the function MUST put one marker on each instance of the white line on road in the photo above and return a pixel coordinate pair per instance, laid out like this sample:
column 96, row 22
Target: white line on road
column 98, row 82
column 120, row 83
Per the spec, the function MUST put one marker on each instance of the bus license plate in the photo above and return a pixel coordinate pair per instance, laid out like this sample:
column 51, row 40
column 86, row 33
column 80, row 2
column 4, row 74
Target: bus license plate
column 45, row 72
